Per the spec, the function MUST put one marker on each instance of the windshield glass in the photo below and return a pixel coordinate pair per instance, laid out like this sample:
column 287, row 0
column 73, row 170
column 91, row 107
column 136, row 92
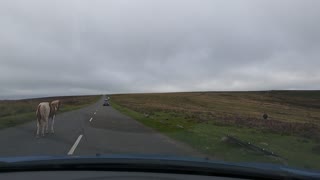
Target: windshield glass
column 234, row 81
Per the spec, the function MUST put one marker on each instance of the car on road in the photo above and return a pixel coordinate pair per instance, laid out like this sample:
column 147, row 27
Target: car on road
column 106, row 103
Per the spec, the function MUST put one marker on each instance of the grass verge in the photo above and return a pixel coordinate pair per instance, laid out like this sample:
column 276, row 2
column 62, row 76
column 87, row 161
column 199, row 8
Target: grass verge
column 206, row 136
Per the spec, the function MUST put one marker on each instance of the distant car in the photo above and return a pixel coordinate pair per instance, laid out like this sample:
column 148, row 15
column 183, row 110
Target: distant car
column 106, row 103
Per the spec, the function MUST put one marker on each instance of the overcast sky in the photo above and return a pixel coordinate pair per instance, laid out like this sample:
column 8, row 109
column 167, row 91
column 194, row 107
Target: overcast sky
column 71, row 47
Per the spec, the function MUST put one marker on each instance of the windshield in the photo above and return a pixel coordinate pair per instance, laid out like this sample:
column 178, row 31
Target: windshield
column 232, row 81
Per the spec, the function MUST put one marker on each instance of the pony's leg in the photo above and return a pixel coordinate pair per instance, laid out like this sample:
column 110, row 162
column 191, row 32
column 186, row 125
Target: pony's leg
column 47, row 126
column 38, row 128
column 42, row 128
column 52, row 124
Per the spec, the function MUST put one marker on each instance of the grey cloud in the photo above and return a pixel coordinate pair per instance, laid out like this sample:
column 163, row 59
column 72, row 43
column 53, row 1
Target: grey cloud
column 70, row 47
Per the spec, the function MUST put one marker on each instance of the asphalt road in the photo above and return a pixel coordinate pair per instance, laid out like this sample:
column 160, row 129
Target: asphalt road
column 95, row 129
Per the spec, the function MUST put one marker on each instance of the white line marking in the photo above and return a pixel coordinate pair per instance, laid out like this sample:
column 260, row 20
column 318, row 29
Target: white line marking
column 90, row 119
column 75, row 145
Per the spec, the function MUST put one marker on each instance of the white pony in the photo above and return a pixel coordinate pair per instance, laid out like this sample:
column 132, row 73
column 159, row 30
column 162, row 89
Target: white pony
column 45, row 111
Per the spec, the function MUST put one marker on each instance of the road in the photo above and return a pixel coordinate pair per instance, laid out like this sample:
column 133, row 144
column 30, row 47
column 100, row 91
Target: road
column 92, row 130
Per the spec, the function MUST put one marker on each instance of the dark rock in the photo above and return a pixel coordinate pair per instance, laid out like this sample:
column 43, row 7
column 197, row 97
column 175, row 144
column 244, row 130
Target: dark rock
column 265, row 116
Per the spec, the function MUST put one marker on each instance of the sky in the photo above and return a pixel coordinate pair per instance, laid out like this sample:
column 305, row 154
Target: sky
column 77, row 47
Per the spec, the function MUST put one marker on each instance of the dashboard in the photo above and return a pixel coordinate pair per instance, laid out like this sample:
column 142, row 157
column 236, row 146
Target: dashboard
column 100, row 175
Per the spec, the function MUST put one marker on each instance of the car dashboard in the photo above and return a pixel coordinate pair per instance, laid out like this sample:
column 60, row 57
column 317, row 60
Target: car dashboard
column 99, row 175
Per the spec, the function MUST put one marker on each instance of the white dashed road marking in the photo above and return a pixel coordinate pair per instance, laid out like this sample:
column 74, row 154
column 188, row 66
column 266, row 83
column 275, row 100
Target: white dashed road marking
column 73, row 148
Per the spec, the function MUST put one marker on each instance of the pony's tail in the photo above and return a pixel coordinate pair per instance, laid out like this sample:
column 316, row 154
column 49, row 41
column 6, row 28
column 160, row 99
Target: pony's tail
column 38, row 114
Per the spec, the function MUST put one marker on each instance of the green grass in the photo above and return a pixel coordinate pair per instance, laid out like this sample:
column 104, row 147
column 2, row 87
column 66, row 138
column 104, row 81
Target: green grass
column 167, row 114
column 17, row 112
column 292, row 106
column 13, row 120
